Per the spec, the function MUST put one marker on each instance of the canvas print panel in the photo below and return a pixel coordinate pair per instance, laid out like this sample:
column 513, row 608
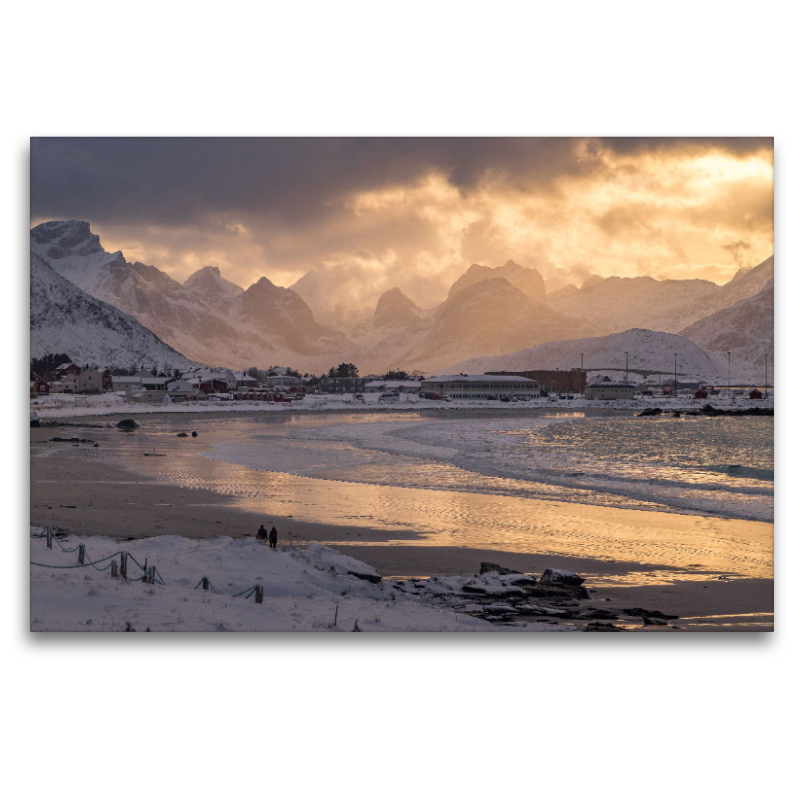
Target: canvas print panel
column 355, row 385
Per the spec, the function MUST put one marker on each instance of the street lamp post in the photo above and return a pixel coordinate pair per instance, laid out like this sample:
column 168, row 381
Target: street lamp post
column 729, row 373
column 675, row 380
column 626, row 366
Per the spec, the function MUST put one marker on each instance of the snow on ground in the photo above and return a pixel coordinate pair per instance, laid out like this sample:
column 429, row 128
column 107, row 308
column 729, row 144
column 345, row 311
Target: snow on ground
column 57, row 406
column 306, row 588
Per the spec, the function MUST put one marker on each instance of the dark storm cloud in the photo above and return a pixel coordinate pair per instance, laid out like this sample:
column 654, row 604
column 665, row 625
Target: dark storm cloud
column 173, row 181
column 177, row 180
column 365, row 215
column 736, row 145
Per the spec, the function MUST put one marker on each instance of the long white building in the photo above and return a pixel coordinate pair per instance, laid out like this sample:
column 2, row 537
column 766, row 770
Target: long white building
column 606, row 390
column 480, row 386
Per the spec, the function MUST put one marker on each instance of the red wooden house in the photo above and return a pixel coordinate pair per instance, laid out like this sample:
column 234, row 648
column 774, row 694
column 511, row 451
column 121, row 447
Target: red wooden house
column 39, row 385
column 67, row 369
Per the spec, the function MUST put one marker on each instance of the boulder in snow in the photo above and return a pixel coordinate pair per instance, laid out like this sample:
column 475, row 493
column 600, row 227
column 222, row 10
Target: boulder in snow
column 562, row 576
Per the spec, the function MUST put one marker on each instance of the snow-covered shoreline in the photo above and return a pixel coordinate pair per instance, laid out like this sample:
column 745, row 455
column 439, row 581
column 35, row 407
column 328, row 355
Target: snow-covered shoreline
column 68, row 406
column 309, row 588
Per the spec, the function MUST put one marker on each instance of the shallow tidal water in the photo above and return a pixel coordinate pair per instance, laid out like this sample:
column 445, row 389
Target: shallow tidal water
column 554, row 484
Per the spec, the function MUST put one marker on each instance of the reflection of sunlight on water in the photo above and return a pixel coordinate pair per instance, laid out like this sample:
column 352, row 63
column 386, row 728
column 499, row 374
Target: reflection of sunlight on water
column 443, row 517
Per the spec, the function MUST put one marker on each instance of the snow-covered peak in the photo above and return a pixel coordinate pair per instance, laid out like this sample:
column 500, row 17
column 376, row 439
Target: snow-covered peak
column 394, row 308
column 61, row 238
column 525, row 279
column 73, row 251
column 209, row 282
column 262, row 284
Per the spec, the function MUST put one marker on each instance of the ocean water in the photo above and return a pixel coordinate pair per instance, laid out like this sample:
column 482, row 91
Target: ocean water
column 476, row 480
column 721, row 465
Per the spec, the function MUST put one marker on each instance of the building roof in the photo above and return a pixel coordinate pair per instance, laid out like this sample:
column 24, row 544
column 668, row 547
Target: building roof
column 480, row 379
column 610, row 385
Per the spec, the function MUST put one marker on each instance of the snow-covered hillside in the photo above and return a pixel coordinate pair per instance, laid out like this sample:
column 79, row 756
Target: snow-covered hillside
column 746, row 330
column 617, row 304
column 64, row 319
column 208, row 318
column 487, row 318
column 490, row 311
column 647, row 350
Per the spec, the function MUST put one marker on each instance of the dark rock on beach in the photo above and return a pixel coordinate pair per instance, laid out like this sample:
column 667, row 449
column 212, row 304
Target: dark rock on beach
column 597, row 613
column 596, row 627
column 710, row 411
column 650, row 412
column 643, row 612
column 561, row 576
column 488, row 566
column 127, row 425
column 559, row 592
column 652, row 621
column 366, row 577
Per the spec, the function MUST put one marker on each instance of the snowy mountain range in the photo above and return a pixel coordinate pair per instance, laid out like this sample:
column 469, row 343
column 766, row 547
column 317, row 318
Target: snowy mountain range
column 486, row 318
column 489, row 312
column 65, row 319
column 615, row 304
column 745, row 330
column 208, row 318
column 647, row 350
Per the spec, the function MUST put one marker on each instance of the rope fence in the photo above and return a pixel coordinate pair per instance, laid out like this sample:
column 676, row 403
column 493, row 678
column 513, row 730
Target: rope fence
column 150, row 574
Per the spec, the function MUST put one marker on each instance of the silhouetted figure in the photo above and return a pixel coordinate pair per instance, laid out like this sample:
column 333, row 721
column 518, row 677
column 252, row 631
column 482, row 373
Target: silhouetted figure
column 273, row 538
column 262, row 533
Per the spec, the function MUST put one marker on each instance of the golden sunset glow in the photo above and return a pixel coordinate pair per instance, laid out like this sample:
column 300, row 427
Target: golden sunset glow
column 574, row 208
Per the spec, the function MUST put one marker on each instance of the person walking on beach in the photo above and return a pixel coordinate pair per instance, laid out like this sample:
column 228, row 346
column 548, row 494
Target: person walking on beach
column 273, row 538
column 262, row 533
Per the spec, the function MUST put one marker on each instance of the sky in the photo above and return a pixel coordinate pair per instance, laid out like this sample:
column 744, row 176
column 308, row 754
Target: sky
column 367, row 214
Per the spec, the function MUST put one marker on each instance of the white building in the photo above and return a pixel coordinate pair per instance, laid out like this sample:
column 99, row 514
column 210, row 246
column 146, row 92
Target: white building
column 245, row 381
column 606, row 390
column 481, row 386
column 66, row 383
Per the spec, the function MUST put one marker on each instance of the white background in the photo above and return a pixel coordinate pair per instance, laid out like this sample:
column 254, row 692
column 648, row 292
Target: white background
column 394, row 715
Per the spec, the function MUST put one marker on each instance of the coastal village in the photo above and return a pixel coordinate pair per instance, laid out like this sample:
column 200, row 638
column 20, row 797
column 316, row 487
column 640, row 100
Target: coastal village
column 282, row 385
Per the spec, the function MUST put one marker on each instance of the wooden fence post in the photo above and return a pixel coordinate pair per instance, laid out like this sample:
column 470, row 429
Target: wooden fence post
column 259, row 593
column 49, row 532
column 113, row 569
column 81, row 554
column 205, row 583
column 123, row 565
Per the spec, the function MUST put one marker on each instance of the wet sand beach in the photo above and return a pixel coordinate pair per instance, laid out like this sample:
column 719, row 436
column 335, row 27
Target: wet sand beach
column 81, row 491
